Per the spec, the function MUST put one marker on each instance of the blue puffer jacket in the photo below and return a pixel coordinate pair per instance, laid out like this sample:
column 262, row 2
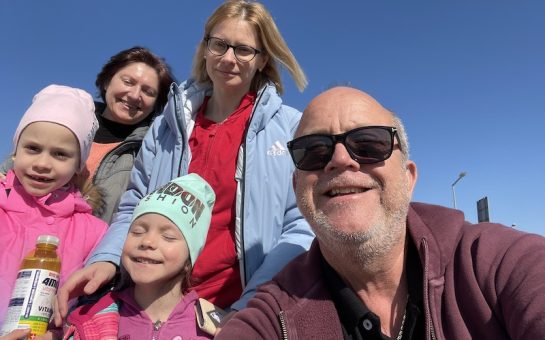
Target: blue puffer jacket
column 270, row 230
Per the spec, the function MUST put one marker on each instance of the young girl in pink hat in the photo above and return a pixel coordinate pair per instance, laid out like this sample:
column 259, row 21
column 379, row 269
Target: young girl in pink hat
column 40, row 194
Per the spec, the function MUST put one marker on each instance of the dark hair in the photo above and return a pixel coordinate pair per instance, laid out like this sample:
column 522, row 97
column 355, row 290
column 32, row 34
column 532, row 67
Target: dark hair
column 137, row 54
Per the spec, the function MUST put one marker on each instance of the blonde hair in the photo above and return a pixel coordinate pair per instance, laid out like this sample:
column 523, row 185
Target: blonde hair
column 270, row 38
column 91, row 193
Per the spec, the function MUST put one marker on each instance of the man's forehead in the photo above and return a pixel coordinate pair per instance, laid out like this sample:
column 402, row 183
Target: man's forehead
column 339, row 111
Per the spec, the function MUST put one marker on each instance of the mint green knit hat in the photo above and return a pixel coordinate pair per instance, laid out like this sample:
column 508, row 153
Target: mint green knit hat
column 187, row 201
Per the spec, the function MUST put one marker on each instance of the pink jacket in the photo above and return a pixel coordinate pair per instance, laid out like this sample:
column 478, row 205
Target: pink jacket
column 117, row 316
column 63, row 213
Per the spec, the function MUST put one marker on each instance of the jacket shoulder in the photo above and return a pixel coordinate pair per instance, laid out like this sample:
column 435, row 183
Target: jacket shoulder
column 302, row 275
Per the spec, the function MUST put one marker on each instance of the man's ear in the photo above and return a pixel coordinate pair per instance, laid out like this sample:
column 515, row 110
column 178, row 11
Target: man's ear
column 293, row 180
column 412, row 175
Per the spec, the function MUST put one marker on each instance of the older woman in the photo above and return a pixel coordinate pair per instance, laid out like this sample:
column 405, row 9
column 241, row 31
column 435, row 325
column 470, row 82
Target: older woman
column 134, row 86
column 227, row 124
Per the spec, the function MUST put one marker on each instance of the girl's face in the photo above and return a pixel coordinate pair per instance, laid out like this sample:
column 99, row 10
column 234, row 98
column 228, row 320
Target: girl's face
column 131, row 94
column 46, row 157
column 155, row 252
column 226, row 72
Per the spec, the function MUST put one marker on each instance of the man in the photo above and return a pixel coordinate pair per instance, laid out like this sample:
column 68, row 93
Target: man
column 380, row 267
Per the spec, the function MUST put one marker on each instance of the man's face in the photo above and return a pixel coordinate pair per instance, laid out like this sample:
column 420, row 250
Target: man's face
column 361, row 206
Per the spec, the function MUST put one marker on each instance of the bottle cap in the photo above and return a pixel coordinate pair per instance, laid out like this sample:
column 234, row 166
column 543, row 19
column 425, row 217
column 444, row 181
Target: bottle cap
column 48, row 239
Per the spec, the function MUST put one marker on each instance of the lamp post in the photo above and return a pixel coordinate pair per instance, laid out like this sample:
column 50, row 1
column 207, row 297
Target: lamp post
column 460, row 176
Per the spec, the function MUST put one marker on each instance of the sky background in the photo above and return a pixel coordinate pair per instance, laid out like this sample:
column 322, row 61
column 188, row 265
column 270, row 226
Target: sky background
column 466, row 77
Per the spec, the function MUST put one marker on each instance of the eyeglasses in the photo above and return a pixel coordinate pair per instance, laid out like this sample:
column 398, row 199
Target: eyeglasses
column 219, row 47
column 365, row 145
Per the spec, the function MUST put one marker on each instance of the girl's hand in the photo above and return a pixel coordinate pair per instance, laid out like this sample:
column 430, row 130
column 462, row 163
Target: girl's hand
column 84, row 281
column 16, row 334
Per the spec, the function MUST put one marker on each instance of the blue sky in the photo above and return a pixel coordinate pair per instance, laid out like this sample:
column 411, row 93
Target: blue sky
column 467, row 77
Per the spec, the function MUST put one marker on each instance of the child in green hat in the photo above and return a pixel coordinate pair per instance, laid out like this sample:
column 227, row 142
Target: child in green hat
column 167, row 233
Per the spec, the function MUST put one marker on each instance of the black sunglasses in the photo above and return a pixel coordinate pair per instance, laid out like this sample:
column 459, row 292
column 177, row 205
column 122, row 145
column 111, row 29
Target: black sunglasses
column 366, row 145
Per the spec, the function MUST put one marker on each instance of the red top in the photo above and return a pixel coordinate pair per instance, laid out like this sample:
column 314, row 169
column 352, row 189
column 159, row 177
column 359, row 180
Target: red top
column 214, row 147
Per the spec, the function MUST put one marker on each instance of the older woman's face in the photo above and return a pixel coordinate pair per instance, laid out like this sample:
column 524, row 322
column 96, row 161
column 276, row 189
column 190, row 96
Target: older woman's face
column 226, row 72
column 131, row 94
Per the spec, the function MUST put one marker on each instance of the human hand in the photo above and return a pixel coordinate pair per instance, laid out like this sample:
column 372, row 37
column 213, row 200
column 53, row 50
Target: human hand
column 16, row 334
column 2, row 176
column 48, row 336
column 224, row 320
column 82, row 282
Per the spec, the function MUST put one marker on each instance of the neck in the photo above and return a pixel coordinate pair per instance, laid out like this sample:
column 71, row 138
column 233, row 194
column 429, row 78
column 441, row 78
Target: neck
column 380, row 283
column 158, row 301
column 222, row 104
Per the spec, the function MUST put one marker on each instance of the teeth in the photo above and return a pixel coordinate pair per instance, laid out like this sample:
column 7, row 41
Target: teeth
column 345, row 191
column 146, row 261
column 41, row 179
column 131, row 107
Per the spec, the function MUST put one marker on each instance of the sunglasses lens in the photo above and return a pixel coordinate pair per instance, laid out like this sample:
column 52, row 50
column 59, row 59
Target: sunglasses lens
column 366, row 145
column 371, row 145
column 311, row 152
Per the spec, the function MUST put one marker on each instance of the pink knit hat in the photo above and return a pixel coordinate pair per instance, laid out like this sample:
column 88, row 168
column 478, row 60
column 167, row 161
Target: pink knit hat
column 67, row 106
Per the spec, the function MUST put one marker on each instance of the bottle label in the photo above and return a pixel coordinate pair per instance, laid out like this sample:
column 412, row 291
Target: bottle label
column 31, row 303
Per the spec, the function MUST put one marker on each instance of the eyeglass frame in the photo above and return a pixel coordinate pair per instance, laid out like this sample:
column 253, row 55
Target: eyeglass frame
column 341, row 138
column 234, row 47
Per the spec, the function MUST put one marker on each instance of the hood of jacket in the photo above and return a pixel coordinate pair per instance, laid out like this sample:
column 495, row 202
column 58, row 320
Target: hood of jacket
column 185, row 100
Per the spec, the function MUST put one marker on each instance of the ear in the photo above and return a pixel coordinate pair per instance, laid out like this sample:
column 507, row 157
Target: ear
column 263, row 62
column 294, row 180
column 411, row 173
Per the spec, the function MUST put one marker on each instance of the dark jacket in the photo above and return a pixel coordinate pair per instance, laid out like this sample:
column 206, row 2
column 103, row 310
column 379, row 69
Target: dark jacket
column 483, row 281
column 112, row 175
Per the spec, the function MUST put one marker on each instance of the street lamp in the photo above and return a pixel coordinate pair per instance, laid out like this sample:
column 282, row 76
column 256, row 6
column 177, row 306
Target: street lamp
column 460, row 176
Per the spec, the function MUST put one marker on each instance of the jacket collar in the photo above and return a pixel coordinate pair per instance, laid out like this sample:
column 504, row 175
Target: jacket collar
column 436, row 230
column 62, row 202
column 184, row 101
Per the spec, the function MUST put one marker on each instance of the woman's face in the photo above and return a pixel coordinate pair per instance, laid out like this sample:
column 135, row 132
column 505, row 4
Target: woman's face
column 131, row 94
column 226, row 72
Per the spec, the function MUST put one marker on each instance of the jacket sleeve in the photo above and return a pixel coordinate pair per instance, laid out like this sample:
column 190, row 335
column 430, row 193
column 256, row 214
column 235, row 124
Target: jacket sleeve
column 520, row 287
column 259, row 320
column 111, row 245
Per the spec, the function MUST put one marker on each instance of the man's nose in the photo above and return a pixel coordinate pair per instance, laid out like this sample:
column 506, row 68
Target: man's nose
column 341, row 159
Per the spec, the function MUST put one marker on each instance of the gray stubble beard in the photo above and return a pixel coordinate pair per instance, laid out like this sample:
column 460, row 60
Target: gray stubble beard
column 368, row 246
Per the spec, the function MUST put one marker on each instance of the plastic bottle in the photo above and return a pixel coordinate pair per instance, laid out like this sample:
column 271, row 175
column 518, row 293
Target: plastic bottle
column 31, row 303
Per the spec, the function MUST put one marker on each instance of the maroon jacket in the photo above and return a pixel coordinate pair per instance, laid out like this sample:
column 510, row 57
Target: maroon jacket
column 483, row 281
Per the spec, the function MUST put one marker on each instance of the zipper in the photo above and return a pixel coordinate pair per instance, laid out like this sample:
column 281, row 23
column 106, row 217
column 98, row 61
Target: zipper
column 242, row 261
column 156, row 328
column 283, row 328
column 429, row 324
column 179, row 113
